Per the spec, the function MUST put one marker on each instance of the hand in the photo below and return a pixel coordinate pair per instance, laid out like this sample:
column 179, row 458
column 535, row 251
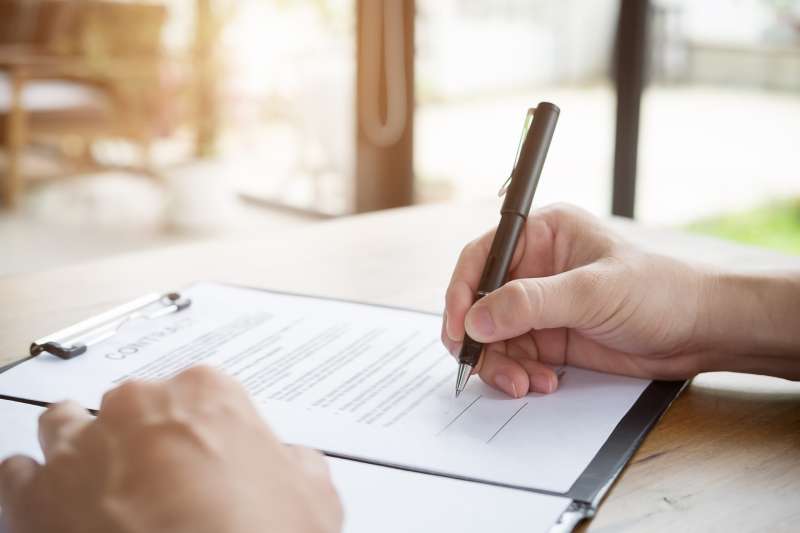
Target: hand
column 188, row 455
column 581, row 296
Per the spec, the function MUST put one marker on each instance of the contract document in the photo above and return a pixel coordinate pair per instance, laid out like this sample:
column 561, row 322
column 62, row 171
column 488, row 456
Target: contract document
column 433, row 499
column 356, row 381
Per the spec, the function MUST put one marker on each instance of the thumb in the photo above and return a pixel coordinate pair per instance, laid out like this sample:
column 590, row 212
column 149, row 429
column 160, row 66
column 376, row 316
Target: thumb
column 562, row 300
column 16, row 475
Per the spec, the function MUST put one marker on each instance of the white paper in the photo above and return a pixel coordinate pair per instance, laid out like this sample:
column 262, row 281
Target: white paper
column 19, row 424
column 386, row 500
column 355, row 380
column 374, row 498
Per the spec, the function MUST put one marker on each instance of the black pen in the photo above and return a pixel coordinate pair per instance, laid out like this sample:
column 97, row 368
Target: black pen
column 537, row 133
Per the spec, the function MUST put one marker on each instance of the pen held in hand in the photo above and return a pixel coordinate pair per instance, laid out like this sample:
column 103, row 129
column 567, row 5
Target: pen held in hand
column 519, row 189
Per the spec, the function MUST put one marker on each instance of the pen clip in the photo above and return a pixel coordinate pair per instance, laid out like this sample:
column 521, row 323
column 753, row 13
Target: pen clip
column 525, row 127
column 504, row 186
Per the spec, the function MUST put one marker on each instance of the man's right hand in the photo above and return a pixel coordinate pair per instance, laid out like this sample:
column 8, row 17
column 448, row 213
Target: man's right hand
column 580, row 295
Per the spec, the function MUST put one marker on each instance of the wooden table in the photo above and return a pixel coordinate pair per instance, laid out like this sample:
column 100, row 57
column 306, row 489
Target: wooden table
column 725, row 457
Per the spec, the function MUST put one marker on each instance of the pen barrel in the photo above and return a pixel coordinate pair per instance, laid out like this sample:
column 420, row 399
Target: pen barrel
column 470, row 351
column 495, row 274
column 501, row 253
column 517, row 205
column 526, row 173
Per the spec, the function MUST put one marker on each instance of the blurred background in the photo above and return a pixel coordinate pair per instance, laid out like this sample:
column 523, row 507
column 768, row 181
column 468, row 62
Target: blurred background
column 127, row 125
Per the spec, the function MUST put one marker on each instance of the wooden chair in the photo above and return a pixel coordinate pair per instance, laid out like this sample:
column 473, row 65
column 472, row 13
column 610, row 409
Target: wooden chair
column 99, row 66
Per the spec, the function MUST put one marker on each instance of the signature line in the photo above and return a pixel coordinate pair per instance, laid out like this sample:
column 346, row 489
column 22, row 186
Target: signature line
column 506, row 422
column 464, row 410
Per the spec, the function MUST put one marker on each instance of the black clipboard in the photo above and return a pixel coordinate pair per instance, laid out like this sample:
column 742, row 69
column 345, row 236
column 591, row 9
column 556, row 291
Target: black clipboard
column 597, row 479
column 586, row 493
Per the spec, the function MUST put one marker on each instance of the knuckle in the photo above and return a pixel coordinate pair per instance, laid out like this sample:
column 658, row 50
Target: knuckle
column 123, row 394
column 562, row 212
column 59, row 413
column 133, row 388
column 470, row 251
column 517, row 293
column 513, row 306
column 200, row 372
column 562, row 209
column 570, row 218
column 466, row 250
column 54, row 413
column 203, row 379
column 204, row 376
column 231, row 404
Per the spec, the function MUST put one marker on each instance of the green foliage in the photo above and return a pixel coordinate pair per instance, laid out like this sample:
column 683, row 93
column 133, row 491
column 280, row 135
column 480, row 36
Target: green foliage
column 776, row 226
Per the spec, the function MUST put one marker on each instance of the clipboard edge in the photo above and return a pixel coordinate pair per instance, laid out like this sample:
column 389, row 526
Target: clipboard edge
column 585, row 508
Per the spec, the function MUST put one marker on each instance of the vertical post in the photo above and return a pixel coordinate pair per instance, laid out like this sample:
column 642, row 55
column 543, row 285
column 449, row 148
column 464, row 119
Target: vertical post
column 384, row 171
column 205, row 79
column 15, row 139
column 630, row 65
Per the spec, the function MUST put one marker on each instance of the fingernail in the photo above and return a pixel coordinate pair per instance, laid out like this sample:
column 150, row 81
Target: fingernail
column 543, row 384
column 447, row 330
column 453, row 348
column 481, row 321
column 506, row 385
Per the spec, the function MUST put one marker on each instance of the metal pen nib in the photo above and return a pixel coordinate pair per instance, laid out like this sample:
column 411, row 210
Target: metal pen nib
column 464, row 371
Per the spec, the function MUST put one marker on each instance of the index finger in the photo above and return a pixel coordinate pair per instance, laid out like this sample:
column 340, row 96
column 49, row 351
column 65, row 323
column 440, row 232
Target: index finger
column 59, row 425
column 537, row 254
column 466, row 276
column 463, row 285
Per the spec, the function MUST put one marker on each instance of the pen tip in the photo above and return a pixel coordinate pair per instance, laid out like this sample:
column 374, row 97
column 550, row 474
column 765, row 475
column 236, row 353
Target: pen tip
column 464, row 371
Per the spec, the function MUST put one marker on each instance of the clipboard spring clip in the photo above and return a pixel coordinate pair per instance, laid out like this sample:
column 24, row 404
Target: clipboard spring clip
column 74, row 341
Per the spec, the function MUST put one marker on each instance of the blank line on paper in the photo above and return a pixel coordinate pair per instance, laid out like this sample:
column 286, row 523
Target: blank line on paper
column 506, row 422
column 464, row 410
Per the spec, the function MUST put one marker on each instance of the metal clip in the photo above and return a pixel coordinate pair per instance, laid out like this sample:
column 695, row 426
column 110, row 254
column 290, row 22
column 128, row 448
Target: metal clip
column 504, row 186
column 525, row 127
column 75, row 340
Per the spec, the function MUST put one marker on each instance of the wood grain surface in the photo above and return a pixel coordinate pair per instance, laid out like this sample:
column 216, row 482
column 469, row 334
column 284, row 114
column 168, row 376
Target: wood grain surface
column 725, row 457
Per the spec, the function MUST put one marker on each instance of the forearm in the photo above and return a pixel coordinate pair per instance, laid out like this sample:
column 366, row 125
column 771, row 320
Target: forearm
column 753, row 322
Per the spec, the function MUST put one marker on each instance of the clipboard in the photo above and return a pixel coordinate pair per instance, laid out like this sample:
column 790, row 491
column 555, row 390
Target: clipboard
column 586, row 493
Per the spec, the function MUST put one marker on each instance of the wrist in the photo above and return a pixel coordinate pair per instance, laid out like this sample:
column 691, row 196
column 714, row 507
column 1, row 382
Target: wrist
column 751, row 321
